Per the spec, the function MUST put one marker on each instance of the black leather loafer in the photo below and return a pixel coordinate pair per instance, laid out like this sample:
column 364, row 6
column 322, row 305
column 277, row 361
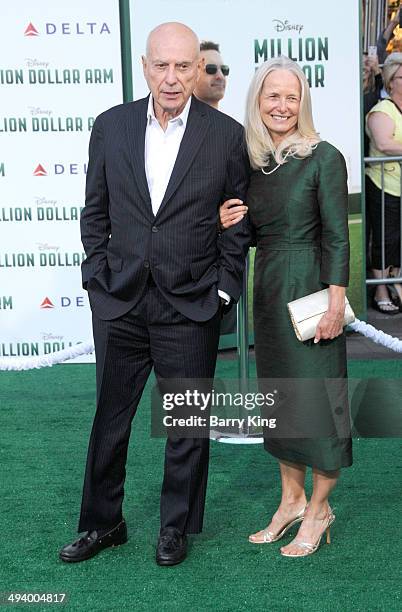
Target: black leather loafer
column 172, row 547
column 92, row 542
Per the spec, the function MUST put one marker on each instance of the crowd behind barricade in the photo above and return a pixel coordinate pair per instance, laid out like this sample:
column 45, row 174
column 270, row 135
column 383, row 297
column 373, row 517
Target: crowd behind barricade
column 382, row 105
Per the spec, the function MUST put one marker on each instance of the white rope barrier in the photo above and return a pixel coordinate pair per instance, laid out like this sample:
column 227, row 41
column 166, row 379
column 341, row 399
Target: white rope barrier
column 85, row 348
column 376, row 335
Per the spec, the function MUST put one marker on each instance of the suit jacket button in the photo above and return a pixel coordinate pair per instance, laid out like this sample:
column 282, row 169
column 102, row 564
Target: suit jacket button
column 155, row 229
column 146, row 264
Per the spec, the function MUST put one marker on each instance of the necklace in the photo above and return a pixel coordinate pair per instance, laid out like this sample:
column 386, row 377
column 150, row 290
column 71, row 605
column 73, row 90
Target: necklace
column 276, row 168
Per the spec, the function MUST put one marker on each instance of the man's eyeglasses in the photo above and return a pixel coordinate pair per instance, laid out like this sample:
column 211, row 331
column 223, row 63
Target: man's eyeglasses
column 213, row 69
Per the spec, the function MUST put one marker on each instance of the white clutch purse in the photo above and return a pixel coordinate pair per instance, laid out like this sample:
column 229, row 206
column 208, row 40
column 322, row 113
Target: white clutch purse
column 306, row 312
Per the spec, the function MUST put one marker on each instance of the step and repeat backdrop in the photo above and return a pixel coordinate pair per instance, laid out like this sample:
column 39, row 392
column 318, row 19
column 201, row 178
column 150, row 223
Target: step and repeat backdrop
column 325, row 44
column 61, row 66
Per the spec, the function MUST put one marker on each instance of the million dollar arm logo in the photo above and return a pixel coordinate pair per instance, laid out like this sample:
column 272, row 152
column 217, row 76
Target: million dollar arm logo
column 48, row 256
column 49, row 343
column 46, row 124
column 310, row 52
column 45, row 209
column 38, row 72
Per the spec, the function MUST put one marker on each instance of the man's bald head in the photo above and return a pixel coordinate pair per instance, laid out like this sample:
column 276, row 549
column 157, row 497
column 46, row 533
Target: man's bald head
column 171, row 68
column 170, row 30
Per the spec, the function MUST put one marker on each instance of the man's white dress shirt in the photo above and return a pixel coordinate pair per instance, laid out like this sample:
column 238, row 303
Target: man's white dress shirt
column 161, row 149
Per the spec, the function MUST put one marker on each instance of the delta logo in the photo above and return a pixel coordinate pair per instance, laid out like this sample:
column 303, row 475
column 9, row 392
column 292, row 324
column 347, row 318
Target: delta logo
column 59, row 169
column 39, row 171
column 30, row 30
column 65, row 28
column 46, row 304
column 63, row 301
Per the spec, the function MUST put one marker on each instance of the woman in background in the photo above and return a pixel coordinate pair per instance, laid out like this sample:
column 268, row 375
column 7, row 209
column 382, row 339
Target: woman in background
column 384, row 128
column 297, row 202
column 372, row 85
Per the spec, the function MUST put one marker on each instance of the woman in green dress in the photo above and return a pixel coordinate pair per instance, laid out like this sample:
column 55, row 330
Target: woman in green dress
column 297, row 204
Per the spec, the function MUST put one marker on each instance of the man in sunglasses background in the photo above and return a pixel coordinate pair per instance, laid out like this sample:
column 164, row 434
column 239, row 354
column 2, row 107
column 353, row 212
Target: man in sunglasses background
column 211, row 84
column 210, row 88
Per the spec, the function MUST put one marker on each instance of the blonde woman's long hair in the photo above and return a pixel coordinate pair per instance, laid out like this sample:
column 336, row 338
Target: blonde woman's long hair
column 259, row 142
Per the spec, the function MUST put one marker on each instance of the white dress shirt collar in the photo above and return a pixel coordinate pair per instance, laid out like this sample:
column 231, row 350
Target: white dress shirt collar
column 181, row 119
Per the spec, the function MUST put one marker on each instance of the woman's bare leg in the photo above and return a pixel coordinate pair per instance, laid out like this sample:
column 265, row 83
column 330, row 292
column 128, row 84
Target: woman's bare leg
column 381, row 293
column 292, row 502
column 316, row 515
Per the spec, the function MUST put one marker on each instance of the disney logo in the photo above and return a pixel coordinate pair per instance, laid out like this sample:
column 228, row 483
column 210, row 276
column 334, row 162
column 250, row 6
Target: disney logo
column 285, row 26
column 44, row 202
column 35, row 110
column 50, row 336
column 32, row 62
column 44, row 246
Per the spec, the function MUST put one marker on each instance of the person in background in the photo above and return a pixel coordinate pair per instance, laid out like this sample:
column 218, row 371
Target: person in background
column 210, row 88
column 384, row 128
column 211, row 84
column 372, row 85
column 298, row 207
column 386, row 36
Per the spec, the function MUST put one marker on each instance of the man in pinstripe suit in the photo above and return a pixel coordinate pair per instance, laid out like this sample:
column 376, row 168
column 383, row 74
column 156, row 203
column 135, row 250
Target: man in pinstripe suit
column 155, row 270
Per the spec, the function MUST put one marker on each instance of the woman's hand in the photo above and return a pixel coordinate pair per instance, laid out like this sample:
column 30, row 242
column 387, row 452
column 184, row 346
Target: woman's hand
column 331, row 323
column 231, row 212
column 330, row 326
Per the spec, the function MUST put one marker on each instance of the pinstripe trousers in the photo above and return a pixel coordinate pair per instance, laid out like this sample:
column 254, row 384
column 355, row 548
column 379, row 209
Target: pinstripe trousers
column 153, row 334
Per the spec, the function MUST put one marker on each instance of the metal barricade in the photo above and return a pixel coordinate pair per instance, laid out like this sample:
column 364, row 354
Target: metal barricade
column 244, row 435
column 376, row 161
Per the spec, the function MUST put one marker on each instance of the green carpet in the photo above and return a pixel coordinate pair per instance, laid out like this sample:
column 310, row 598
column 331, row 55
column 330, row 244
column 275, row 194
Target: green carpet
column 46, row 419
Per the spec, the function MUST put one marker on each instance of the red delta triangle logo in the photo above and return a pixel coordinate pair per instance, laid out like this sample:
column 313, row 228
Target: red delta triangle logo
column 47, row 303
column 30, row 30
column 39, row 171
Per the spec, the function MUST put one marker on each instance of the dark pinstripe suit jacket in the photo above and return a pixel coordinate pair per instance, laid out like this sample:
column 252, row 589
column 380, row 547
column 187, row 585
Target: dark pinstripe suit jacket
column 181, row 246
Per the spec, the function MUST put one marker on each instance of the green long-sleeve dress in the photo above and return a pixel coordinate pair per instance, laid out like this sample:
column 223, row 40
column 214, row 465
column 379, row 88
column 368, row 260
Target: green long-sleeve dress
column 299, row 213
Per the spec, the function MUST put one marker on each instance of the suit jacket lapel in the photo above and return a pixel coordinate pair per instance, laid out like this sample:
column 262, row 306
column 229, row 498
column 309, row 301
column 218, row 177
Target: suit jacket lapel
column 136, row 126
column 195, row 132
